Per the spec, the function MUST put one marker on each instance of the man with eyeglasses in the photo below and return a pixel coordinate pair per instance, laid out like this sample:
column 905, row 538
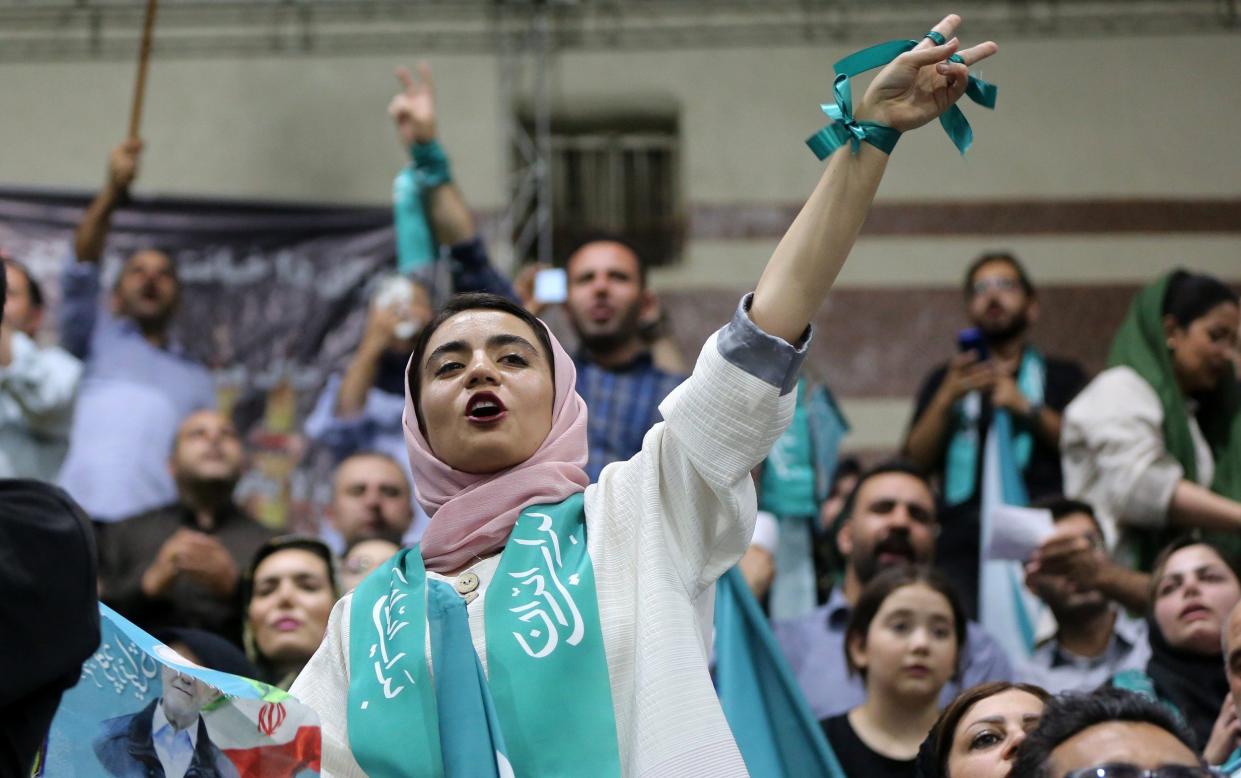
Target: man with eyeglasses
column 1109, row 733
column 996, row 368
column 887, row 521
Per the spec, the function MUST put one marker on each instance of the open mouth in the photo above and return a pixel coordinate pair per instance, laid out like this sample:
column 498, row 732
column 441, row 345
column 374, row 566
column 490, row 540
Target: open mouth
column 484, row 408
column 895, row 549
column 1195, row 612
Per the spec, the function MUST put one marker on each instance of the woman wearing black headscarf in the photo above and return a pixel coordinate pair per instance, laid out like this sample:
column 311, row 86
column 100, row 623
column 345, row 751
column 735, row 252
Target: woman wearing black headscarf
column 1194, row 589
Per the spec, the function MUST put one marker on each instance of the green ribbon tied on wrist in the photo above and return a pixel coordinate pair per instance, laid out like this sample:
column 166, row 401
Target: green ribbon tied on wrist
column 844, row 128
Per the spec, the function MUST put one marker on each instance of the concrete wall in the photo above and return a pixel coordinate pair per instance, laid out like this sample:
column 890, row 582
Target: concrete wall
column 1112, row 118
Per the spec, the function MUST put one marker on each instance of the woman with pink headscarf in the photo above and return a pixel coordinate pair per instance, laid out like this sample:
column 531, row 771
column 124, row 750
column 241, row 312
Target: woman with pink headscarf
column 546, row 626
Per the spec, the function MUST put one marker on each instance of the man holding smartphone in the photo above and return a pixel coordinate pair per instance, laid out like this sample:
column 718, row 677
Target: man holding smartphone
column 995, row 367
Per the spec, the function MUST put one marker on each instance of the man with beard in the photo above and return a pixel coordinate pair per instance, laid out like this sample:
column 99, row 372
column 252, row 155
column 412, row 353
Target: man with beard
column 888, row 520
column 957, row 401
column 1094, row 639
column 616, row 374
column 137, row 384
column 179, row 565
column 167, row 738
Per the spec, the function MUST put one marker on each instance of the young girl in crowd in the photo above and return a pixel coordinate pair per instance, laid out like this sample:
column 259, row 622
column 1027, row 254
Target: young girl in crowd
column 904, row 638
column 561, row 624
column 978, row 733
column 1194, row 589
column 1154, row 442
column 289, row 592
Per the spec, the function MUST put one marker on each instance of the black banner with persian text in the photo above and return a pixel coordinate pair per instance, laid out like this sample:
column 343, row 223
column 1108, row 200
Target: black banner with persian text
column 273, row 300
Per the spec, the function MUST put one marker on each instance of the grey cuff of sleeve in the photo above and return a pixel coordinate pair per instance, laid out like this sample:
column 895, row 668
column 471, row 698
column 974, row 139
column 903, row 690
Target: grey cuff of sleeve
column 764, row 356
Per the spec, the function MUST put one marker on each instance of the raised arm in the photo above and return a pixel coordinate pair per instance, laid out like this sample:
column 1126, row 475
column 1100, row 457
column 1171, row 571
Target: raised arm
column 92, row 231
column 413, row 110
column 915, row 88
column 723, row 420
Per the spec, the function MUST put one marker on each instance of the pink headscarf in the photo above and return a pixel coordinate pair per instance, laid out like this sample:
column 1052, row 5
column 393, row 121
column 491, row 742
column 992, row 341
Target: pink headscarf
column 472, row 515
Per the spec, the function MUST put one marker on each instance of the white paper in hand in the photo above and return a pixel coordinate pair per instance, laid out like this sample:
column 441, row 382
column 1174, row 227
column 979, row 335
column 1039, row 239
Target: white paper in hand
column 1016, row 532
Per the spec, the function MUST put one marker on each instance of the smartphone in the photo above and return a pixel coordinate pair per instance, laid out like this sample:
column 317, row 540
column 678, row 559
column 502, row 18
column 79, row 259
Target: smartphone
column 551, row 286
column 971, row 339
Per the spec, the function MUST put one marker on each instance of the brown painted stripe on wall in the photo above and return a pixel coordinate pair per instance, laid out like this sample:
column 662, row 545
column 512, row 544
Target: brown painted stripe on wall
column 1009, row 217
column 881, row 342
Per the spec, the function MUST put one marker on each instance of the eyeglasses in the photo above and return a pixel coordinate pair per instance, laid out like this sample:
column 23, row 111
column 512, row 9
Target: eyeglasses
column 1133, row 771
column 998, row 284
column 359, row 564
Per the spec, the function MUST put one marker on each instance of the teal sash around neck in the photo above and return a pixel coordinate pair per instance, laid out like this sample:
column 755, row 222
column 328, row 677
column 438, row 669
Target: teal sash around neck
column 545, row 705
column 961, row 460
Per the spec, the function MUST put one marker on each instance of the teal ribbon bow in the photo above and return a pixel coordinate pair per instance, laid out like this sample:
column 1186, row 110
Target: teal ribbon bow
column 845, row 129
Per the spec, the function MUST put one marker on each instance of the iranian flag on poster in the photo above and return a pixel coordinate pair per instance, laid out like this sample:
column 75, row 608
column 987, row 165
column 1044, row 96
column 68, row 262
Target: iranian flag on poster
column 267, row 738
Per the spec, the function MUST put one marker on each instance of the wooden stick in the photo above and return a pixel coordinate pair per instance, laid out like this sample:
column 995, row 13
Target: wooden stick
column 144, row 57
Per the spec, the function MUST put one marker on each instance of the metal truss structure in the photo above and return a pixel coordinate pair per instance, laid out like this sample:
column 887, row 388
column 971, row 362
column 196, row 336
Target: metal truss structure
column 523, row 47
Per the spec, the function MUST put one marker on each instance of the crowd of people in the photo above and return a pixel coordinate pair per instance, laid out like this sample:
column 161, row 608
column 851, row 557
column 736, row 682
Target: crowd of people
column 471, row 449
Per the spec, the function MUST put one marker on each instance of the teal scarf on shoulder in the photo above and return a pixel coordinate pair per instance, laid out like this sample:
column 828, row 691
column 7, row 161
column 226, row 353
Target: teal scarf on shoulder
column 961, row 461
column 545, row 705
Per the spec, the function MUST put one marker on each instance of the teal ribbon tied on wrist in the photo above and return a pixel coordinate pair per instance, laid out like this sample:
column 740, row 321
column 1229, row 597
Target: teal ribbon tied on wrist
column 845, row 129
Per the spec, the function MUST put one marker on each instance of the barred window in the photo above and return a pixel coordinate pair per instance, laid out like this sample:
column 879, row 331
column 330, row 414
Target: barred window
column 619, row 174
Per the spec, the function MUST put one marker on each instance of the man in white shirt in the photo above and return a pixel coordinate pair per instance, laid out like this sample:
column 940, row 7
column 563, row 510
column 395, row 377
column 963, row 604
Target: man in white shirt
column 166, row 738
column 38, row 384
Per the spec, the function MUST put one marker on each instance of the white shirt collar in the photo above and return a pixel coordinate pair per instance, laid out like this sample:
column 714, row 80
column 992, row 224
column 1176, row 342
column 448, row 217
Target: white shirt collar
column 175, row 764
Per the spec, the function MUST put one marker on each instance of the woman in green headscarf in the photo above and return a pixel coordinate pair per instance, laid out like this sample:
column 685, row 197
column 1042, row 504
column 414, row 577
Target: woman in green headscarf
column 1154, row 442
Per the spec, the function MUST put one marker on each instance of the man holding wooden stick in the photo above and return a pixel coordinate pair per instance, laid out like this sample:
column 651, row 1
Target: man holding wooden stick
column 137, row 385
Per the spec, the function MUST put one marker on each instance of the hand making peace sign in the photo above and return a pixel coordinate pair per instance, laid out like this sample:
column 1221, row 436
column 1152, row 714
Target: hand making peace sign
column 414, row 107
column 921, row 84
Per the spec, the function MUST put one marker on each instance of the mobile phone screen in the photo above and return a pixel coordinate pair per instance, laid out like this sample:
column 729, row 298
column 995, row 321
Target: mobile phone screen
column 972, row 340
column 551, row 286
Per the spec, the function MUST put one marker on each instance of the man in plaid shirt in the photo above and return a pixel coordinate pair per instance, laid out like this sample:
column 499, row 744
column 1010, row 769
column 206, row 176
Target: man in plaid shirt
column 616, row 375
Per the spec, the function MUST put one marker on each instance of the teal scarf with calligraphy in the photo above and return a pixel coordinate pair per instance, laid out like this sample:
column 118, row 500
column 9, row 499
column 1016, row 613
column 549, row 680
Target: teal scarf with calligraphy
column 961, row 460
column 545, row 705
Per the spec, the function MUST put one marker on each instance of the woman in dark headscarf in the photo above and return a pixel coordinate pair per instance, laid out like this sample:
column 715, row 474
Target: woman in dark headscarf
column 1194, row 589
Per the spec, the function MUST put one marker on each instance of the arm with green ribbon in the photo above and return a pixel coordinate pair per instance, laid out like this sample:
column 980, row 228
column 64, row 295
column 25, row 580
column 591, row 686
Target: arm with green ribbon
column 428, row 208
column 920, row 83
column 775, row 729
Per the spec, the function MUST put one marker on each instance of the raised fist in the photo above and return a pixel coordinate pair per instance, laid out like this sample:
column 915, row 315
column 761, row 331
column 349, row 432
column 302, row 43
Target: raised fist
column 123, row 164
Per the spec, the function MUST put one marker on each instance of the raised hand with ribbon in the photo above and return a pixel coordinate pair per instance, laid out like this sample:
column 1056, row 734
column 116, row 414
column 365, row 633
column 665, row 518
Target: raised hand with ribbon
column 900, row 92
